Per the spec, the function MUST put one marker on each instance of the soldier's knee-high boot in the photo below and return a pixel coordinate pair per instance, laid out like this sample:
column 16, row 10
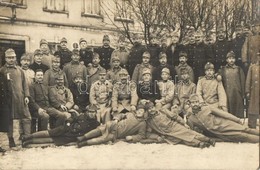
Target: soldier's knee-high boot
column 205, row 139
column 91, row 134
column 40, row 134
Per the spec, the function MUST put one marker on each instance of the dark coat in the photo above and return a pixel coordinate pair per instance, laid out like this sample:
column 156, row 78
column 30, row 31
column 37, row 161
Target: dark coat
column 135, row 57
column 233, row 79
column 172, row 53
column 148, row 91
column 86, row 56
column 237, row 45
column 80, row 95
column 5, row 103
column 158, row 71
column 34, row 66
column 154, row 50
column 221, row 48
column 65, row 56
column 105, row 56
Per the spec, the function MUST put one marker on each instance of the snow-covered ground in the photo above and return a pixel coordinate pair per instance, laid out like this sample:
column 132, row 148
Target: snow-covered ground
column 122, row 155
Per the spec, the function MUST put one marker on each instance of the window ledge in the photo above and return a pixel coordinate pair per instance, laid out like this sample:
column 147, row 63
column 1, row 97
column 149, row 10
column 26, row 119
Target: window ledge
column 7, row 4
column 55, row 11
column 124, row 19
column 91, row 15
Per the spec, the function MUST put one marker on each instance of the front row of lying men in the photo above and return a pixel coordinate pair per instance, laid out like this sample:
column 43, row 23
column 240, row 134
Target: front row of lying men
column 150, row 124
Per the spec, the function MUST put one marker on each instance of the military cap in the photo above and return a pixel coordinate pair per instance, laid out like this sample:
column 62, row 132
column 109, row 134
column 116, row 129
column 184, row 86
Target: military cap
column 183, row 54
column 37, row 52
column 10, row 52
column 82, row 39
column 59, row 77
column 43, row 41
column 162, row 55
column 166, row 70
column 149, row 105
column 106, row 37
column 123, row 71
column 231, row 54
column 115, row 58
column 146, row 71
column 103, row 72
column 121, row 38
column 194, row 97
column 92, row 108
column 75, row 51
column 209, row 65
column 63, row 40
column 140, row 106
column 25, row 57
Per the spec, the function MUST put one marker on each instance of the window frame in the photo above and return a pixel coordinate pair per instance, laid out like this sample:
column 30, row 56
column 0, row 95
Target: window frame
column 14, row 5
column 86, row 14
column 65, row 11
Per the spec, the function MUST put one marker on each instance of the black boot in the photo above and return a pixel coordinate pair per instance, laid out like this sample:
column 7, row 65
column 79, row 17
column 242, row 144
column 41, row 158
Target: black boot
column 212, row 142
column 203, row 145
column 80, row 138
column 2, row 150
column 81, row 144
column 11, row 142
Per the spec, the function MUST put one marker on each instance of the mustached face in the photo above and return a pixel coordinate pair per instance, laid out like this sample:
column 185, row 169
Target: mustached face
column 147, row 77
column 195, row 104
column 163, row 60
column 83, row 45
column 140, row 113
column 55, row 64
column 152, row 110
column 231, row 60
column 38, row 58
column 102, row 77
column 60, row 82
column 146, row 60
column 106, row 42
column 210, row 72
column 116, row 63
column 25, row 63
column 39, row 76
column 183, row 59
column 95, row 60
column 63, row 45
column 185, row 76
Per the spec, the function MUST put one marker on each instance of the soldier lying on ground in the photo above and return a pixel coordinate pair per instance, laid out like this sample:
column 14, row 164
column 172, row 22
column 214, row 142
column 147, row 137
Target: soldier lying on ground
column 173, row 127
column 64, row 134
column 219, row 123
column 132, row 128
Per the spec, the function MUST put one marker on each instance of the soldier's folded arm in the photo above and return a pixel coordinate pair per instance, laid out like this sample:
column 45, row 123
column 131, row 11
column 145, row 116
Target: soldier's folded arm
column 53, row 100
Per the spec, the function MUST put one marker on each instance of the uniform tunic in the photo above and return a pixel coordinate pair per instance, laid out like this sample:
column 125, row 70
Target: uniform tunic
column 186, row 67
column 86, row 56
column 18, row 89
column 211, row 92
column 158, row 72
column 113, row 74
column 34, row 66
column 80, row 95
column 154, row 50
column 73, row 69
column 221, row 48
column 49, row 78
column 234, row 83
column 138, row 71
column 172, row 52
column 252, row 87
column 65, row 56
column 100, row 93
column 60, row 96
column 105, row 55
column 166, row 89
column 237, row 45
column 250, row 49
column 46, row 60
column 29, row 75
column 124, row 95
column 93, row 74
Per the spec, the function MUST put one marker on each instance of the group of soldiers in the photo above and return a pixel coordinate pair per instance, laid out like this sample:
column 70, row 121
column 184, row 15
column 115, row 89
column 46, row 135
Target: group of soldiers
column 182, row 93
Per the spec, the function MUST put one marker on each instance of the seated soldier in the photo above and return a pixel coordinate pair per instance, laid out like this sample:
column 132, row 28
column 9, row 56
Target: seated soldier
column 100, row 95
column 132, row 128
column 173, row 127
column 113, row 73
column 182, row 92
column 124, row 95
column 61, row 97
column 147, row 89
column 138, row 71
column 66, row 133
column 80, row 92
column 39, row 103
column 211, row 90
column 219, row 124
column 166, row 88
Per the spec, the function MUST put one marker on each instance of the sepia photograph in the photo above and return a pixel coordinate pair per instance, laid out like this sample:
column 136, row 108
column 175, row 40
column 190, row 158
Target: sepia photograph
column 129, row 84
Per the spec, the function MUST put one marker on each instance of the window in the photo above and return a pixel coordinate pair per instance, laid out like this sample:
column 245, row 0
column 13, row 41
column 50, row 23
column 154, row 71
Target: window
column 56, row 6
column 13, row 3
column 92, row 8
column 122, row 13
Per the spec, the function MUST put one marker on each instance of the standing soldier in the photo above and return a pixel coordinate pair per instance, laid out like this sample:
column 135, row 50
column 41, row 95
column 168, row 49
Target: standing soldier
column 105, row 52
column 166, row 88
column 138, row 71
column 100, row 95
column 38, row 62
column 173, row 51
column 113, row 73
column 237, row 44
column 75, row 68
column 136, row 52
column 163, row 64
column 210, row 89
column 209, row 49
column 84, row 52
column 46, row 53
column 122, row 52
column 252, row 93
column 154, row 50
column 124, row 96
column 221, row 47
column 19, row 94
column 49, row 78
column 94, row 69
column 233, row 79
column 64, row 53
column 29, row 73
